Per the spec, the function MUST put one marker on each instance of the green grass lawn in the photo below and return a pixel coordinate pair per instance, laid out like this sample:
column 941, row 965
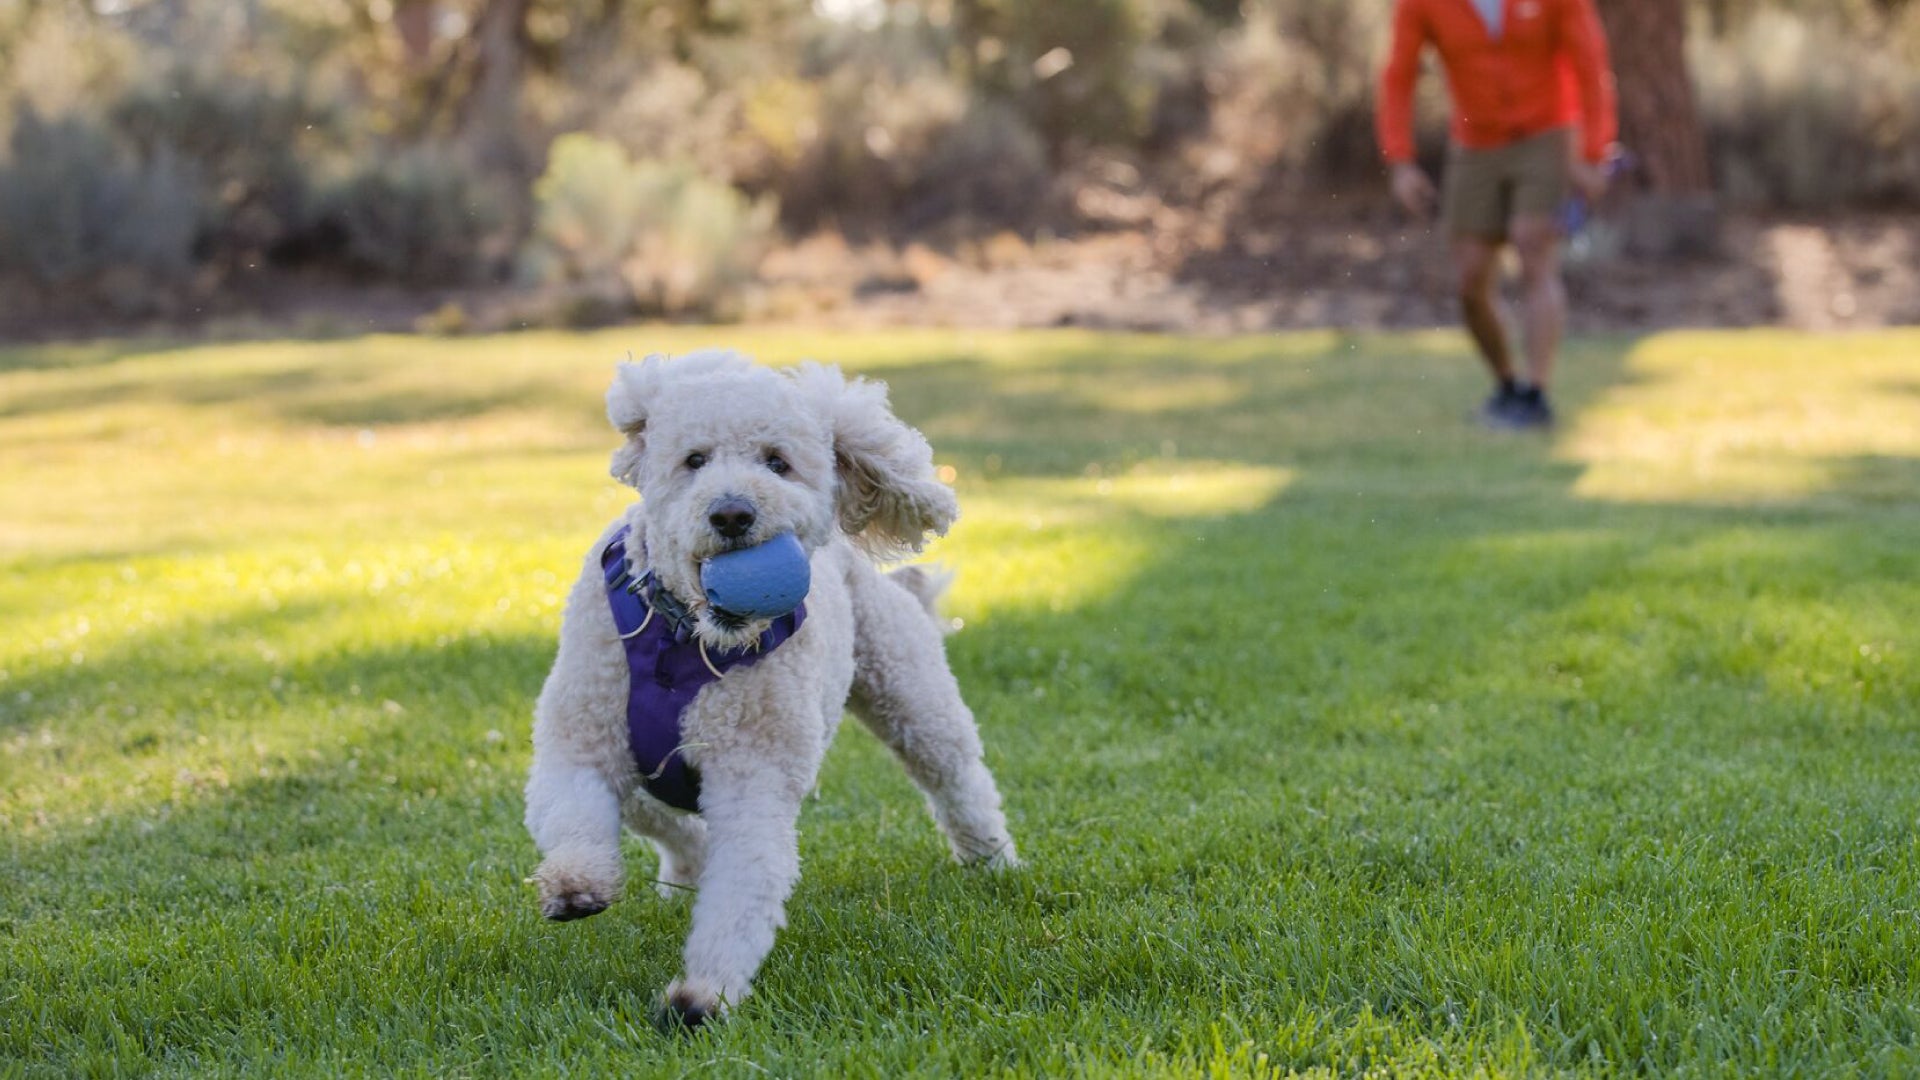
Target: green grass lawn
column 1340, row 737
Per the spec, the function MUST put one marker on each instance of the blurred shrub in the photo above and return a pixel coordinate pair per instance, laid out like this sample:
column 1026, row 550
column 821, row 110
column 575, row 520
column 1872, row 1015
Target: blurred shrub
column 61, row 58
column 448, row 320
column 1069, row 66
column 186, row 136
column 674, row 112
column 76, row 208
column 672, row 240
column 254, row 148
column 862, row 148
column 989, row 168
column 781, row 118
column 587, row 209
column 1293, row 86
column 419, row 217
column 1801, row 115
column 875, row 129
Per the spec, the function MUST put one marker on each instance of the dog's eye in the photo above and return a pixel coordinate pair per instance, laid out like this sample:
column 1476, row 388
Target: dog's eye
column 696, row 459
column 778, row 465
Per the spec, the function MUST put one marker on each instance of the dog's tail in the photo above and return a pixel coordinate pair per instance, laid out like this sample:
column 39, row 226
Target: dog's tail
column 928, row 583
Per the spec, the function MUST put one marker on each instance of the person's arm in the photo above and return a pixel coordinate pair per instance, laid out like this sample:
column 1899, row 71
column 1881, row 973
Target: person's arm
column 1393, row 118
column 1585, row 43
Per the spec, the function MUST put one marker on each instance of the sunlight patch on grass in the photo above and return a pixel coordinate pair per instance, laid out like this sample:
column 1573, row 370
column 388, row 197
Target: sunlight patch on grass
column 1007, row 567
column 1016, row 350
column 1196, row 391
column 1194, row 489
column 1341, row 737
column 177, row 678
column 1754, row 418
column 1054, row 543
column 1163, row 488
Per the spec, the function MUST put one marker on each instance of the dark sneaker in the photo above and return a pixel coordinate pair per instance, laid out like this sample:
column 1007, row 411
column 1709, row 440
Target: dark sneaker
column 1498, row 411
column 1530, row 411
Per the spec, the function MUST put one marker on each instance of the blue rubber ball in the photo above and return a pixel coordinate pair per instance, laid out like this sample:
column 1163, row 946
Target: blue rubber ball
column 760, row 582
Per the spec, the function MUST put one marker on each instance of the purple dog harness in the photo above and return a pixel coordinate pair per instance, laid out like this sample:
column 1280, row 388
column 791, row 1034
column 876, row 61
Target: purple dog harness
column 667, row 666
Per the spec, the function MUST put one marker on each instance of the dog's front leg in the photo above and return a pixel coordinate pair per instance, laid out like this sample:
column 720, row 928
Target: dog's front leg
column 753, row 860
column 574, row 816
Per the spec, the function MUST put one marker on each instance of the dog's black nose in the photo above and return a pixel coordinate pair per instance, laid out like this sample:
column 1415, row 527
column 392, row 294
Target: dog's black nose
column 731, row 517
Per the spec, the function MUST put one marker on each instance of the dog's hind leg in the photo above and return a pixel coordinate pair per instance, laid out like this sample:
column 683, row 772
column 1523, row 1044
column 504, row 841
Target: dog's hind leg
column 906, row 694
column 679, row 839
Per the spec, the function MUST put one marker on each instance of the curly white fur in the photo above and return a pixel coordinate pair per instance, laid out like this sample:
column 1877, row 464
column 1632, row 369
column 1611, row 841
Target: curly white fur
column 859, row 485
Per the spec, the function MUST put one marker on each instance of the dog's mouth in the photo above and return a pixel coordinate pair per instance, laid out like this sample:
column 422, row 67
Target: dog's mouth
column 720, row 545
column 726, row 621
column 722, row 629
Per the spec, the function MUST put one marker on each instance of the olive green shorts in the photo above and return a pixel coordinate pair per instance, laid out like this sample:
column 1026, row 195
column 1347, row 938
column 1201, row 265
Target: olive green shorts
column 1486, row 189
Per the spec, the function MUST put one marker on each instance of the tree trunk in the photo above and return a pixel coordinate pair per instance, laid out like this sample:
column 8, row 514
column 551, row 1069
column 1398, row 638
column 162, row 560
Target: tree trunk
column 1660, row 123
column 490, row 116
column 413, row 19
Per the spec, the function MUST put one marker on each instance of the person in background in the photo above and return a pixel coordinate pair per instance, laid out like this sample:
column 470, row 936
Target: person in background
column 1533, row 114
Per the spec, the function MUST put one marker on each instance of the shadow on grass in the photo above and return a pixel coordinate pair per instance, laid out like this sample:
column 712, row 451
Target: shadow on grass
column 318, row 389
column 1881, row 479
column 374, row 873
column 80, row 356
column 1427, row 633
column 1395, row 510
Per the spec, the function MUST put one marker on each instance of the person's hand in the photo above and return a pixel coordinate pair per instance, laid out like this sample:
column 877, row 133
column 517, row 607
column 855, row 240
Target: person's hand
column 1589, row 179
column 1413, row 190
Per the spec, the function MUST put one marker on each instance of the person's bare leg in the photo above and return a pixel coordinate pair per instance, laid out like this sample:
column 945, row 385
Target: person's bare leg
column 1543, row 296
column 1475, row 259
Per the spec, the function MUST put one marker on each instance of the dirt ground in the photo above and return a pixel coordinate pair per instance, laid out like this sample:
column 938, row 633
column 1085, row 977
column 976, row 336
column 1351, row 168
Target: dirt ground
column 1141, row 267
column 1859, row 273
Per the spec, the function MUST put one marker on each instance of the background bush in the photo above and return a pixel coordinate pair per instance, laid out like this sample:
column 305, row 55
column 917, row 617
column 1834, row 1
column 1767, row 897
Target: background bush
column 254, row 149
column 173, row 141
column 77, row 208
column 1072, row 67
column 420, row 217
column 660, row 235
column 987, row 167
column 1801, row 115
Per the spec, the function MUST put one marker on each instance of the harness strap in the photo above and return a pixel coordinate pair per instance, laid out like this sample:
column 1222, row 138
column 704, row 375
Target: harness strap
column 667, row 668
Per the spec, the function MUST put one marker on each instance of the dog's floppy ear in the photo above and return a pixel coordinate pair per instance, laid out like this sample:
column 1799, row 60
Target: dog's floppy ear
column 629, row 400
column 888, row 498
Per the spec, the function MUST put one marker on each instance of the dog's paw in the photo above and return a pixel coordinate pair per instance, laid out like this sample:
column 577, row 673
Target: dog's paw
column 685, row 1009
column 573, row 887
column 572, row 906
column 988, row 855
column 1002, row 858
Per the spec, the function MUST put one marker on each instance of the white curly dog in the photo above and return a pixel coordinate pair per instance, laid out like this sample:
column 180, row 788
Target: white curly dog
column 726, row 454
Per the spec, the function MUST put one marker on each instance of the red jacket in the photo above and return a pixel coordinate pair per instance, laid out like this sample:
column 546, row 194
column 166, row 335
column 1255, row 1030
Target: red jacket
column 1547, row 69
